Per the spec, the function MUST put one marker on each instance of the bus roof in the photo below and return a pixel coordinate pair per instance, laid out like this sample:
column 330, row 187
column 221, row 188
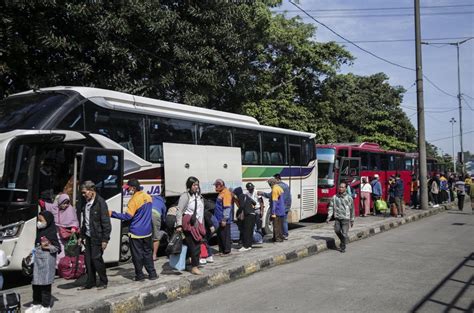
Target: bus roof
column 125, row 102
column 365, row 146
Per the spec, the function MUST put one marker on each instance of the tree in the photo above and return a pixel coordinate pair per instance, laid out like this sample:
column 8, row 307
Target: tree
column 366, row 108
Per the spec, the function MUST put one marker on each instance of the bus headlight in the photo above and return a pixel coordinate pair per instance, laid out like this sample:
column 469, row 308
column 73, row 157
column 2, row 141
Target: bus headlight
column 10, row 231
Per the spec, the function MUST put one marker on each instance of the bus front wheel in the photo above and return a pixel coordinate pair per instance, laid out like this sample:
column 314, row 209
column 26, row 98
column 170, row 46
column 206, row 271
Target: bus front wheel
column 268, row 228
column 125, row 253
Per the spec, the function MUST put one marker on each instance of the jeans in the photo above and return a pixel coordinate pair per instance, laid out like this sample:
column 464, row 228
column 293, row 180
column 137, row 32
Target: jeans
column 341, row 227
column 285, row 224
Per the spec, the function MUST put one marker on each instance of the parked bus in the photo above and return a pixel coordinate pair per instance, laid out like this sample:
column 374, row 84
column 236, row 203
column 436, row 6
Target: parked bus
column 433, row 165
column 348, row 162
column 62, row 136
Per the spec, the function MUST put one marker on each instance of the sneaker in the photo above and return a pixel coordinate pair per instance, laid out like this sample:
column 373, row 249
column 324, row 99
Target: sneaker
column 243, row 249
column 210, row 259
column 285, row 237
column 102, row 287
column 42, row 309
column 202, row 261
column 33, row 308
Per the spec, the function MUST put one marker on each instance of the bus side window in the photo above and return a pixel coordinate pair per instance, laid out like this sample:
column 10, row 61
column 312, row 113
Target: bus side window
column 168, row 130
column 374, row 161
column 384, row 161
column 274, row 147
column 308, row 151
column 214, row 135
column 249, row 143
column 126, row 129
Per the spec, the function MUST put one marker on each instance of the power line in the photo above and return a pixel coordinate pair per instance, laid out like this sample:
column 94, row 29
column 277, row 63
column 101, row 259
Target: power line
column 394, row 15
column 383, row 9
column 430, row 111
column 466, row 102
column 450, row 137
column 404, row 40
column 367, row 51
column 468, row 96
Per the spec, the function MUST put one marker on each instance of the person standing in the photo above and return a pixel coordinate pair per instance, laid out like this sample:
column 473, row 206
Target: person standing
column 258, row 206
column 399, row 191
column 287, row 202
column 444, row 189
column 158, row 213
column 96, row 228
column 223, row 212
column 414, row 187
column 44, row 268
column 278, row 209
column 365, row 194
column 246, row 207
column 140, row 230
column 460, row 188
column 435, row 190
column 190, row 221
column 376, row 191
column 342, row 207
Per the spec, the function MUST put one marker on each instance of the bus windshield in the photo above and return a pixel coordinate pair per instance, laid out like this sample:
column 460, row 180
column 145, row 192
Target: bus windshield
column 29, row 111
column 326, row 159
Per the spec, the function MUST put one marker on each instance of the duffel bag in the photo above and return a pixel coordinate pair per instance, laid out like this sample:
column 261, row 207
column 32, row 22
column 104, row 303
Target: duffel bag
column 72, row 267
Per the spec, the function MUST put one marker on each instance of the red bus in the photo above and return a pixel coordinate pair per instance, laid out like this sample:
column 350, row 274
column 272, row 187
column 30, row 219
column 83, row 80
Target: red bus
column 349, row 162
column 433, row 165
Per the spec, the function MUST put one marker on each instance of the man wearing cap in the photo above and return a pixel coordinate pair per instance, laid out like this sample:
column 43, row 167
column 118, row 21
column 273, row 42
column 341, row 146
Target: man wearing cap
column 223, row 213
column 140, row 230
column 376, row 191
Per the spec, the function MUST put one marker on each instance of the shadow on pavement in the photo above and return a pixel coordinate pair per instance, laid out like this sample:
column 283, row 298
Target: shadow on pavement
column 330, row 242
column 450, row 277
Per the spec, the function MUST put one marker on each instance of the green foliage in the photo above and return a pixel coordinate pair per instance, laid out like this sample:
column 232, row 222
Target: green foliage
column 233, row 57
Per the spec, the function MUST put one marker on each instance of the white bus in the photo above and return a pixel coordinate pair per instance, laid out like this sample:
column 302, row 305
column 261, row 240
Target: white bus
column 52, row 136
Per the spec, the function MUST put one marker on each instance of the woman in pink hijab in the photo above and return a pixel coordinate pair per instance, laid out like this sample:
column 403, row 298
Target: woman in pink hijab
column 64, row 216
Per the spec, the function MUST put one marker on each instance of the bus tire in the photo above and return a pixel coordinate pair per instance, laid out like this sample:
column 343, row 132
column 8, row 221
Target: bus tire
column 268, row 228
column 125, row 252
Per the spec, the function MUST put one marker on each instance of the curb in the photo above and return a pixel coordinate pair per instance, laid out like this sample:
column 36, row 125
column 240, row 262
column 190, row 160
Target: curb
column 150, row 298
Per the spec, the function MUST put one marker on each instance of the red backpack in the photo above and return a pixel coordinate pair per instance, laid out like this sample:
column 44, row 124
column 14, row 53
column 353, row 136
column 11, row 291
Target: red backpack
column 72, row 267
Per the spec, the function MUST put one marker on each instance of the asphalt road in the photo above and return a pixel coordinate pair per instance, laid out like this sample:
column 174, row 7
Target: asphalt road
column 426, row 266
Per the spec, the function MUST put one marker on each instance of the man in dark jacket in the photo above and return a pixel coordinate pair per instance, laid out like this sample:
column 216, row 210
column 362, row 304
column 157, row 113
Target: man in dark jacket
column 96, row 228
column 399, row 195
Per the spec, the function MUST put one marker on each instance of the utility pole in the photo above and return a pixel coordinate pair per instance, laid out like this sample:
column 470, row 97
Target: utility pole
column 452, row 121
column 421, row 112
column 457, row 44
column 460, row 106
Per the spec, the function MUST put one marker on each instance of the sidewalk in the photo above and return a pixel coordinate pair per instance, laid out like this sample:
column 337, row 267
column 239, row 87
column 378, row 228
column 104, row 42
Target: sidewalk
column 125, row 295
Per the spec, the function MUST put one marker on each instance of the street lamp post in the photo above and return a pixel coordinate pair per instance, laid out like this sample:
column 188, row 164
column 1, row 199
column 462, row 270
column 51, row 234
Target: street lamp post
column 452, row 121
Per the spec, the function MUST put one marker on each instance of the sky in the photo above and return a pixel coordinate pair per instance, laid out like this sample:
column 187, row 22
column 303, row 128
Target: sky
column 440, row 19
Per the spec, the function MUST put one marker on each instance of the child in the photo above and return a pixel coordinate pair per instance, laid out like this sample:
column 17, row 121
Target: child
column 44, row 268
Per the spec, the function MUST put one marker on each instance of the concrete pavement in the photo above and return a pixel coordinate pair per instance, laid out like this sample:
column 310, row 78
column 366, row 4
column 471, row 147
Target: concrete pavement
column 426, row 266
column 125, row 295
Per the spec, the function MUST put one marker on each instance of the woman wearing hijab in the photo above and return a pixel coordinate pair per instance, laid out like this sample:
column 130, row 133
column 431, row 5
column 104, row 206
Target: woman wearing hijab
column 64, row 217
column 44, row 268
column 190, row 221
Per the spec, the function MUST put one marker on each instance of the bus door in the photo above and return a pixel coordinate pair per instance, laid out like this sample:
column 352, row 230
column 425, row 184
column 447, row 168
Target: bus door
column 349, row 173
column 105, row 168
column 295, row 183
